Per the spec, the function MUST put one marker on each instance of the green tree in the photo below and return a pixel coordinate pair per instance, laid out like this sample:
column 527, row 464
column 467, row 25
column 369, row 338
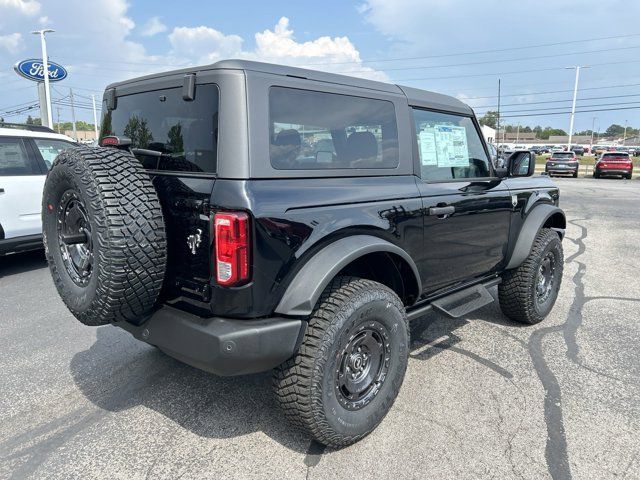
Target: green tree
column 490, row 119
column 614, row 130
column 175, row 141
column 138, row 131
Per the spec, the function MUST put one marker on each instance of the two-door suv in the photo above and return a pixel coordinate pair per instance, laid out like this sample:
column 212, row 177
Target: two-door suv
column 246, row 217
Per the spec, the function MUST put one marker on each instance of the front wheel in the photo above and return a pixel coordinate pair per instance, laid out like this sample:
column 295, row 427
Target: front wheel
column 349, row 368
column 527, row 293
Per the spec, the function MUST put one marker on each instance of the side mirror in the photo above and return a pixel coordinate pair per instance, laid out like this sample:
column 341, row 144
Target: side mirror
column 521, row 164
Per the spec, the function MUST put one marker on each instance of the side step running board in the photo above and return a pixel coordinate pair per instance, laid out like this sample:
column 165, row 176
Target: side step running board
column 460, row 303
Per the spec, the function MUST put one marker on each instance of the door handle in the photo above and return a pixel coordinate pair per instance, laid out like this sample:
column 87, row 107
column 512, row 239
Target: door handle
column 442, row 211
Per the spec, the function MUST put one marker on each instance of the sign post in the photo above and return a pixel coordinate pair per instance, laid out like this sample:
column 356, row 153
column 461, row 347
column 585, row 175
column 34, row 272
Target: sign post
column 45, row 66
column 34, row 69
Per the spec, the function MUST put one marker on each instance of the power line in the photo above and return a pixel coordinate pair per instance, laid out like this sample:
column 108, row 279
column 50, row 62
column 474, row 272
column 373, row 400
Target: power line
column 558, row 101
column 569, row 111
column 446, row 55
column 561, row 108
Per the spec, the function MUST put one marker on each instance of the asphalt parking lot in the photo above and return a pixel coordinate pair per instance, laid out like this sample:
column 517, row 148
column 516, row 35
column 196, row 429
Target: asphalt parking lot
column 483, row 397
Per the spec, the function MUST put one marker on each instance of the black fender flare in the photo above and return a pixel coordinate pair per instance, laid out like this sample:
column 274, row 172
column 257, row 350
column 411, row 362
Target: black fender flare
column 534, row 221
column 306, row 287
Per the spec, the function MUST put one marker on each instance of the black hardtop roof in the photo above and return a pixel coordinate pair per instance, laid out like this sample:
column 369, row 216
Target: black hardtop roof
column 414, row 95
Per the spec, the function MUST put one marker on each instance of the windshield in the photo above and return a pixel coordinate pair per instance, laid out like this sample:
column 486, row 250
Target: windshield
column 562, row 155
column 160, row 120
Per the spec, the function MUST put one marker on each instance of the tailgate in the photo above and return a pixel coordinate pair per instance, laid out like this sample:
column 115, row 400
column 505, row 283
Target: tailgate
column 185, row 204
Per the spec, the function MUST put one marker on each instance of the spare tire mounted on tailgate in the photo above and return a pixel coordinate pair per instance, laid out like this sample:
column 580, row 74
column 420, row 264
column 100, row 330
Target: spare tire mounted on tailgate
column 104, row 235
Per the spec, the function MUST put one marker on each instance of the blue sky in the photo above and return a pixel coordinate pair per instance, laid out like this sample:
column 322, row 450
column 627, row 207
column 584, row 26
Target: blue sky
column 430, row 44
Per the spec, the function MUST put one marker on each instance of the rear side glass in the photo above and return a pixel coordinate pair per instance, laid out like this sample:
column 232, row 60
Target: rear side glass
column 449, row 147
column 185, row 132
column 312, row 130
column 50, row 149
column 14, row 160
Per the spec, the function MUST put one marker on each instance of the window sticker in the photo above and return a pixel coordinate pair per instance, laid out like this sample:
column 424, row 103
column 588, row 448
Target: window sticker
column 428, row 152
column 451, row 146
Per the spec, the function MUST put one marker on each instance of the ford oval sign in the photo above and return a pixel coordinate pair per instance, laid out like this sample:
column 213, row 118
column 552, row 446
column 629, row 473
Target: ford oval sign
column 33, row 70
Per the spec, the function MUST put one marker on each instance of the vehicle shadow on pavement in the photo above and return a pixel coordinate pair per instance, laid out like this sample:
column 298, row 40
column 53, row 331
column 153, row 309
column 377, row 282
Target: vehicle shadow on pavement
column 433, row 333
column 118, row 372
column 22, row 262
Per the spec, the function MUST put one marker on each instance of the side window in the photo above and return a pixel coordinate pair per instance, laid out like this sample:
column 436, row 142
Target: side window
column 317, row 130
column 49, row 149
column 449, row 146
column 14, row 160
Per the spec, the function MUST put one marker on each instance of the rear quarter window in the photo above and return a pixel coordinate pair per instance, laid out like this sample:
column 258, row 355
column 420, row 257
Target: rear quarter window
column 311, row 130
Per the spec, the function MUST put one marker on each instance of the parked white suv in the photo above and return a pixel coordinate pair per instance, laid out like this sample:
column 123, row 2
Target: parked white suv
column 26, row 155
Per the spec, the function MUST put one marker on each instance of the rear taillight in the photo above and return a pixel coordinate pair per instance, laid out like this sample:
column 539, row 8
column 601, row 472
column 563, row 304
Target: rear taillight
column 231, row 233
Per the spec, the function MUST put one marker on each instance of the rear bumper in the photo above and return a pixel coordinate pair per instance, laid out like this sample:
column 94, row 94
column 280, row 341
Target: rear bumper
column 568, row 170
column 614, row 171
column 220, row 345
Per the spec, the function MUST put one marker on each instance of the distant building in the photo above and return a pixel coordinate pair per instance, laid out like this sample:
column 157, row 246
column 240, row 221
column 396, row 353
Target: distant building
column 81, row 134
column 576, row 139
column 488, row 133
column 521, row 137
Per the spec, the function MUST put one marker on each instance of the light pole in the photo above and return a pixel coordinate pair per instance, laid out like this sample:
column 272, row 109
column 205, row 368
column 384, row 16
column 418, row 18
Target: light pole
column 593, row 124
column 624, row 137
column 45, row 67
column 573, row 106
column 95, row 115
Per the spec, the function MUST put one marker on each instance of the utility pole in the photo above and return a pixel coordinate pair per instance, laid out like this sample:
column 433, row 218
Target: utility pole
column 498, row 119
column 95, row 115
column 593, row 124
column 624, row 137
column 45, row 66
column 573, row 106
column 73, row 115
column 518, row 134
column 58, row 109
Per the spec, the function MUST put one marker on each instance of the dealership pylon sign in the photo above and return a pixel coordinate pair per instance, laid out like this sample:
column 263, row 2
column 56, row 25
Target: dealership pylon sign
column 33, row 69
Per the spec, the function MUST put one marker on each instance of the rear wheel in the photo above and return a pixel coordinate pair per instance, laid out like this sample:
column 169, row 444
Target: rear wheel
column 104, row 235
column 527, row 293
column 350, row 366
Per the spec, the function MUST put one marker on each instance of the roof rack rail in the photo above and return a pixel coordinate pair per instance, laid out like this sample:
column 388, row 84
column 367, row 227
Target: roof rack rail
column 24, row 126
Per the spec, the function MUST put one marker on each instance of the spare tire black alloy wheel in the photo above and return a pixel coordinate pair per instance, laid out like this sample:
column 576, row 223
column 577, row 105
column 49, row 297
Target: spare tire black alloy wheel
column 104, row 235
column 74, row 238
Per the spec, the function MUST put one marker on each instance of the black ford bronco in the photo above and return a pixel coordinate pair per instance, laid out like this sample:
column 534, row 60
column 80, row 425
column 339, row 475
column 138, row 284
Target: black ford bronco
column 243, row 217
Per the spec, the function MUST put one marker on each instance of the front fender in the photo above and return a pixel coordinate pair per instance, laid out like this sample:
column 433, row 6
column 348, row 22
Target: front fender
column 533, row 223
column 308, row 284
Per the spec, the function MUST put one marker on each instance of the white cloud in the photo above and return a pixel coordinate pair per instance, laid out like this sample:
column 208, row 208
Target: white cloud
column 203, row 44
column 12, row 42
column 25, row 7
column 338, row 54
column 153, row 27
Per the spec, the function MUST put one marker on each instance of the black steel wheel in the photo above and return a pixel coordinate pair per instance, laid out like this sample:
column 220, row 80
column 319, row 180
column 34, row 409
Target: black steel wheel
column 363, row 366
column 349, row 368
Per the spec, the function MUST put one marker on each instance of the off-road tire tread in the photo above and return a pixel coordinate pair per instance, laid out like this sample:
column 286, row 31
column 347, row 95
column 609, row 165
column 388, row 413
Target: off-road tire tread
column 296, row 378
column 129, row 227
column 514, row 292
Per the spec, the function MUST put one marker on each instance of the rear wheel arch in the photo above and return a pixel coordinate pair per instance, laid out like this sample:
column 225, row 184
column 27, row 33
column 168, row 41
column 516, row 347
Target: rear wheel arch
column 366, row 256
